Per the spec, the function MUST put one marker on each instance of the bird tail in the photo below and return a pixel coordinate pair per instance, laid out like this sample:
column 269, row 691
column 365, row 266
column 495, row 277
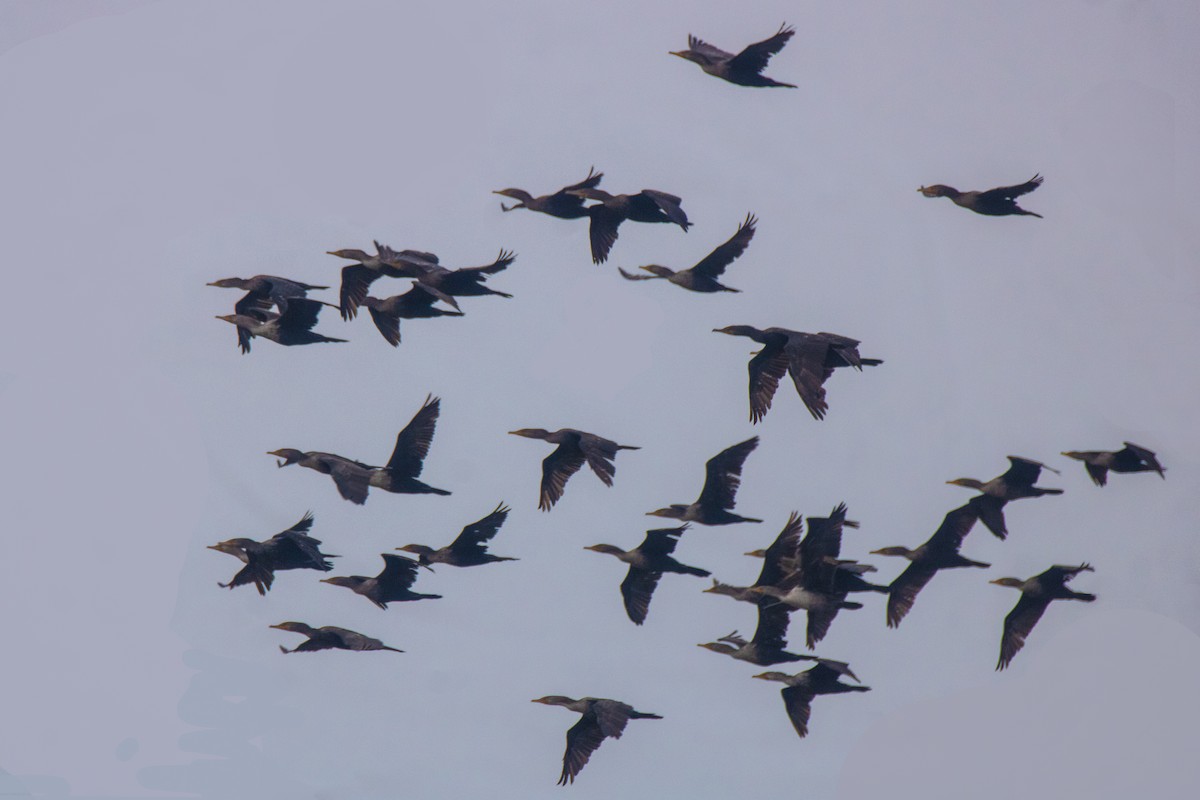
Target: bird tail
column 283, row 649
column 870, row 362
column 1084, row 596
column 1051, row 491
column 702, row 573
column 394, row 650
column 849, row 604
column 643, row 715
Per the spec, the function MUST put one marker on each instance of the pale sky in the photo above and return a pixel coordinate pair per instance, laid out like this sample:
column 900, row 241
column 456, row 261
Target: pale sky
column 157, row 146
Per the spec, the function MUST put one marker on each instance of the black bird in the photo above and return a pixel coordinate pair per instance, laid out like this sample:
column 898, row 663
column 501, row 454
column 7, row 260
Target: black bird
column 357, row 278
column 769, row 645
column 290, row 549
column 938, row 552
column 648, row 205
column 998, row 202
column 804, row 686
column 561, row 204
column 330, row 637
column 390, row 586
column 469, row 549
column 602, row 718
column 264, row 291
column 465, row 281
column 647, row 563
column 1130, row 458
column 703, row 276
column 722, row 477
column 292, row 326
column 744, row 69
column 574, row 448
column 810, row 358
column 416, row 303
column 1017, row 482
column 1036, row 594
column 399, row 476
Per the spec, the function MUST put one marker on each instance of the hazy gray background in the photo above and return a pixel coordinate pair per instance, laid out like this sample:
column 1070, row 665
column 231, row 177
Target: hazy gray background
column 153, row 147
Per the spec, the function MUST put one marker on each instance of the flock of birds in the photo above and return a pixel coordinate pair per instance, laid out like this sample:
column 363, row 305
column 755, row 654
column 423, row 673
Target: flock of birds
column 803, row 570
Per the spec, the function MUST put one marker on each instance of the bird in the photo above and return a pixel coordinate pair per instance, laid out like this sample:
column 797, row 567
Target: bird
column 416, row 303
column 722, row 477
column 780, row 559
column 648, row 205
column 574, row 448
column 743, row 69
column 1016, row 483
column 469, row 548
column 939, row 551
column 1130, row 458
column 998, row 202
column 769, row 645
column 289, row 549
column 601, row 719
column 703, row 276
column 561, row 204
column 357, row 278
column 647, row 563
column 802, row 687
column 330, row 637
column 465, row 281
column 1036, row 594
column 264, row 291
column 810, row 358
column 399, row 475
column 392, row 585
column 291, row 326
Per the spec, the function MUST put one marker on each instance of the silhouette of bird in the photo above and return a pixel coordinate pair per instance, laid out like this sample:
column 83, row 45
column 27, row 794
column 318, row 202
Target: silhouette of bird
column 647, row 563
column 722, row 477
column 745, row 68
column 392, row 585
column 601, row 719
column 289, row 549
column 292, row 326
column 561, row 204
column 357, row 278
column 804, row 686
column 998, row 202
column 703, row 276
column 1016, row 483
column 575, row 447
column 648, row 205
column 1036, row 594
column 330, row 637
column 416, row 303
column 1130, row 458
column 469, row 549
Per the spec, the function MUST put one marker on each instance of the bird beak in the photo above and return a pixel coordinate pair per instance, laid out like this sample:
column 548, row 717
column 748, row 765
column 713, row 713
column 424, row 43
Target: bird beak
column 674, row 53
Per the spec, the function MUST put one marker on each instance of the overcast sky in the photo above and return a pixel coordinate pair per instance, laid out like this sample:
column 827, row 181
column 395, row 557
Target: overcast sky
column 156, row 146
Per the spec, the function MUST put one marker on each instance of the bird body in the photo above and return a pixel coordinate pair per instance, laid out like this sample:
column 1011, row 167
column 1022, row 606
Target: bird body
column 647, row 563
column 469, row 549
column 1130, row 458
column 998, row 202
column 1036, row 595
column 289, row 549
column 703, row 276
column 602, row 718
column 802, row 687
column 562, row 204
column 743, row 69
column 722, row 477
column 330, row 637
column 575, row 448
column 392, row 585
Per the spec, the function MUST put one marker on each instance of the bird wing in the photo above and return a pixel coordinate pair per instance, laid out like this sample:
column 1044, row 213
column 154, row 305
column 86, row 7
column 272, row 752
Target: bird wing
column 819, row 620
column 582, row 740
column 295, row 550
column 256, row 304
column 823, row 542
column 398, row 571
column 773, row 619
column 590, row 182
column 474, row 535
column 637, row 589
column 1018, row 624
column 798, row 702
column 303, row 526
column 766, row 369
column 599, row 453
column 722, row 475
column 991, row 514
column 806, row 363
column 904, row 590
column 670, row 205
column 785, row 546
column 948, row 538
column 704, row 48
column 714, row 264
column 1024, row 471
column 631, row 277
column 244, row 337
column 1097, row 473
column 356, row 282
column 352, row 481
column 602, row 231
column 502, row 261
column 317, row 641
column 352, row 640
column 412, row 443
column 1059, row 574
column 1145, row 457
column 755, row 56
column 662, row 541
column 612, row 716
column 1009, row 192
column 557, row 467
column 387, row 324
column 300, row 314
column 254, row 572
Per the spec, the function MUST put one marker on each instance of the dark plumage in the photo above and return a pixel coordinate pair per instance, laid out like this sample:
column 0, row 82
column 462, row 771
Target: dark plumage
column 703, row 276
column 999, row 202
column 601, row 719
column 561, row 204
column 292, row 326
column 804, row 686
column 357, row 278
column 263, row 292
column 745, row 68
column 392, row 585
column 290, row 549
column 399, row 475
column 1130, row 458
column 330, row 637
column 647, row 563
column 416, row 303
column 722, row 477
column 1016, row 483
column 648, row 205
column 574, row 449
column 465, row 281
column 469, row 549
column 1036, row 594
column 810, row 358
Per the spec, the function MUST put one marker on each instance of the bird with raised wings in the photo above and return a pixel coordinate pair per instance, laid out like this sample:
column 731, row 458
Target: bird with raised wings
column 289, row 549
column 703, row 276
column 562, row 204
column 647, row 563
column 722, row 477
column 1036, row 594
column 743, row 69
column 469, row 548
column 802, row 687
column 998, row 202
column 601, row 719
column 1017, row 482
column 392, row 585
column 648, row 205
column 1130, row 458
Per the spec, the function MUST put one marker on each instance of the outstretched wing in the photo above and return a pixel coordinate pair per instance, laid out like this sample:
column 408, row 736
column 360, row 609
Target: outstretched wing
column 806, row 363
column 669, row 204
column 412, row 443
column 557, row 467
column 798, row 702
column 722, row 475
column 1009, row 192
column 714, row 264
column 904, row 590
column 474, row 535
column 755, row 57
column 637, row 589
column 1018, row 624
column 352, row 482
column 707, row 50
column 603, row 231
column 398, row 571
column 766, row 369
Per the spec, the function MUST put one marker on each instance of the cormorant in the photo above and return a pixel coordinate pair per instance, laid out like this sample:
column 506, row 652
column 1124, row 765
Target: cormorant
column 1130, row 458
column 561, row 204
column 1036, row 594
column 703, row 276
column 292, row 326
column 1016, row 483
column 601, row 718
column 745, row 68
column 330, row 637
column 469, row 549
column 264, row 291
column 804, row 686
column 357, row 278
column 648, row 205
column 290, row 549
column 392, row 585
column 574, row 448
column 722, row 477
column 810, row 358
column 647, row 563
column 768, row 645
column 999, row 202
column 465, row 281
column 416, row 303
column 399, row 476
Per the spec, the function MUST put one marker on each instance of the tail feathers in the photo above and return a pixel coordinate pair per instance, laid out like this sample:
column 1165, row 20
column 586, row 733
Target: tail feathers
column 643, row 715
column 849, row 604
column 702, row 573
column 870, row 362
column 1052, row 491
column 1084, row 596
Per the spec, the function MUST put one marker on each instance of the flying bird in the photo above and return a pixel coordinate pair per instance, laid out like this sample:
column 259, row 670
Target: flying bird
column 601, row 719
column 722, row 477
column 801, row 688
column 647, row 563
column 293, row 325
column 561, row 204
column 469, row 549
column 574, row 449
column 745, row 68
column 1130, row 458
column 464, row 281
column 265, row 291
column 703, row 276
column 330, row 637
column 810, row 358
column 289, row 549
column 1017, row 482
column 416, row 303
column 357, row 278
column 1036, row 594
column 392, row 585
column 998, row 202
column 648, row 205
